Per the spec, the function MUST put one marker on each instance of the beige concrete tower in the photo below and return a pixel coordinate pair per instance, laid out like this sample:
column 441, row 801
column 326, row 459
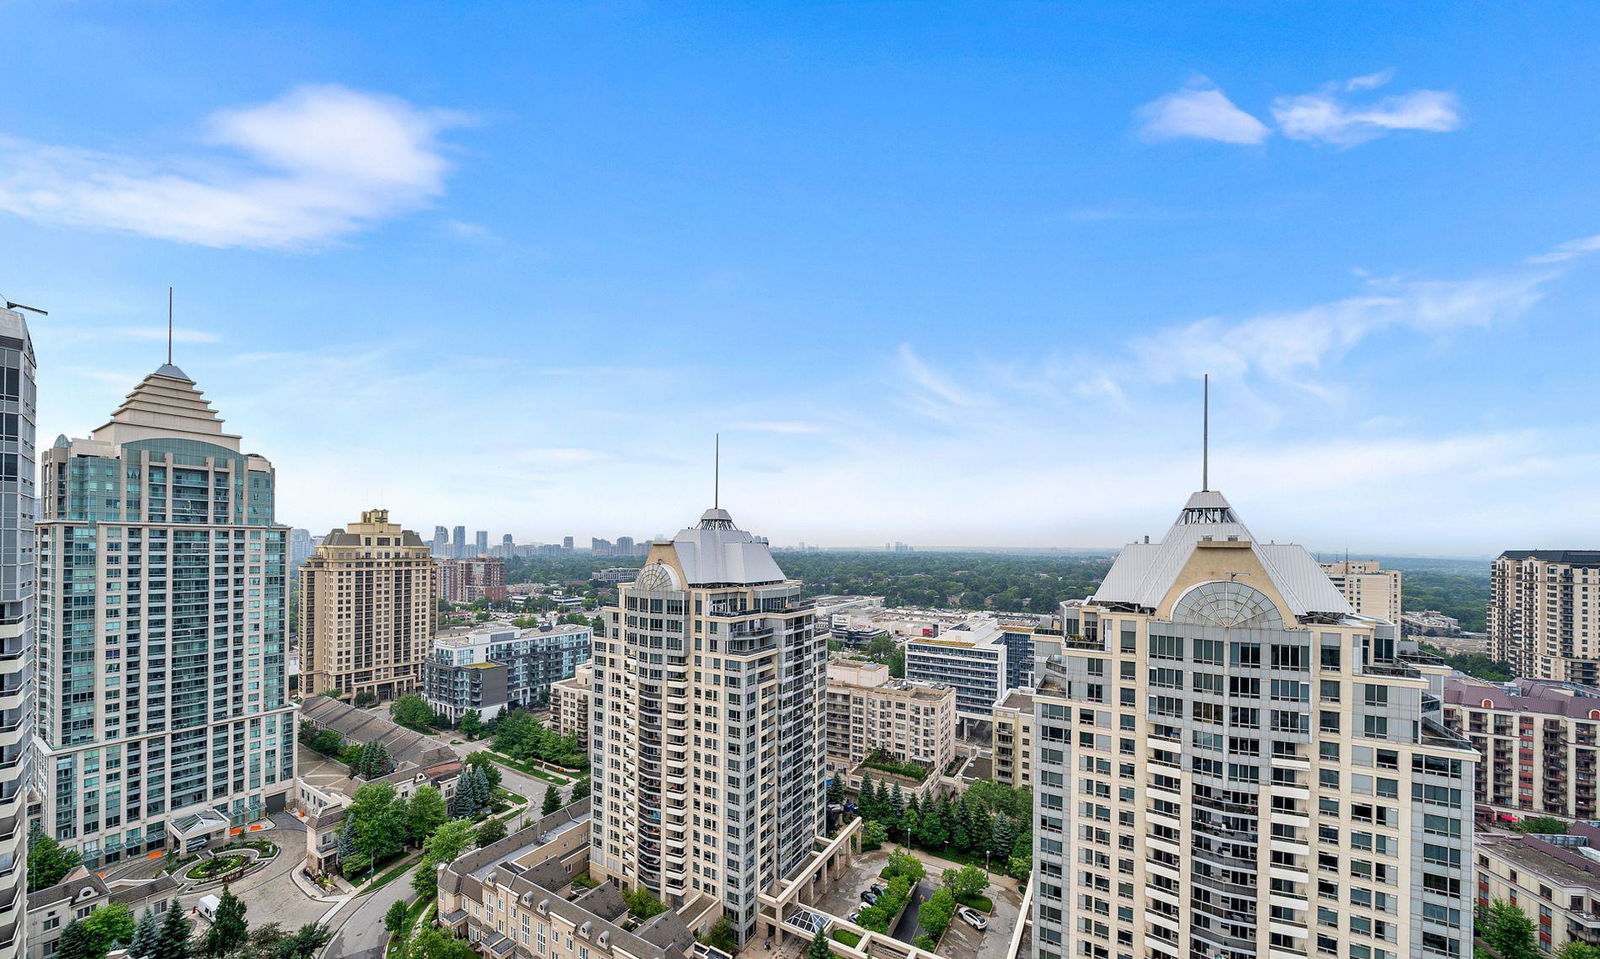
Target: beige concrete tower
column 707, row 742
column 1229, row 762
column 367, row 610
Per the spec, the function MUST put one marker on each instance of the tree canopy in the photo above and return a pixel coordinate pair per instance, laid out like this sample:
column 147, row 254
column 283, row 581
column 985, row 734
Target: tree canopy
column 48, row 860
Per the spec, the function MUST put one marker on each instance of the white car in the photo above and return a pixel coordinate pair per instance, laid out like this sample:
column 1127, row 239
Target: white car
column 972, row 917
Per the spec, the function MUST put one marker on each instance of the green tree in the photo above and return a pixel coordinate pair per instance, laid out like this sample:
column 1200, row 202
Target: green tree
column 484, row 763
column 76, row 943
column 378, row 827
column 936, row 913
column 412, row 712
column 1578, row 950
column 229, row 929
column 173, row 941
column 1508, row 931
column 372, row 761
column 835, row 792
column 48, row 860
column 967, row 882
column 471, row 724
column 1541, row 825
column 425, row 812
column 110, row 926
column 430, row 943
column 819, row 948
column 145, row 935
column 873, row 835
column 395, row 919
column 720, row 936
column 642, row 905
column 552, row 800
column 581, row 789
column 446, row 845
column 866, row 800
column 902, row 863
column 491, row 832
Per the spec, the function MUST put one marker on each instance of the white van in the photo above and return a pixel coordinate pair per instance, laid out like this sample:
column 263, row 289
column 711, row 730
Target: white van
column 207, row 907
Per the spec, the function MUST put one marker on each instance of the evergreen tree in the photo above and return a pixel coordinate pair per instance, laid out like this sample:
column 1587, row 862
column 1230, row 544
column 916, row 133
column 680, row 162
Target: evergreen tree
column 880, row 798
column 819, row 948
column 1002, row 836
column 552, row 800
column 460, row 806
column 145, row 935
column 347, row 839
column 76, row 943
column 835, row 792
column 173, row 941
column 229, row 929
column 866, row 800
column 897, row 802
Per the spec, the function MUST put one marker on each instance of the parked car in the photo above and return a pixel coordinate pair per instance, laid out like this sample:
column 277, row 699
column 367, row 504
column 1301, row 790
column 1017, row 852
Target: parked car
column 854, row 916
column 870, row 896
column 972, row 917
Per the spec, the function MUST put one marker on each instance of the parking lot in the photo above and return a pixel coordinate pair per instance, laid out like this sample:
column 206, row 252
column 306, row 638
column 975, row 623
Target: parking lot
column 961, row 941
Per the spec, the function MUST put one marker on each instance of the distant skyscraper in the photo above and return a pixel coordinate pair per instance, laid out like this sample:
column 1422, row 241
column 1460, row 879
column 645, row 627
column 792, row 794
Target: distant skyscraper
column 441, row 541
column 161, row 643
column 1544, row 613
column 482, row 542
column 710, row 673
column 1229, row 762
column 460, row 541
column 299, row 549
column 566, row 543
column 507, row 541
column 367, row 610
column 17, row 615
column 624, row 546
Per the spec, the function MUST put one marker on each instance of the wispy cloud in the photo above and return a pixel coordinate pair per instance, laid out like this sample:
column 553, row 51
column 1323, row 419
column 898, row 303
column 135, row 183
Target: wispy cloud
column 1200, row 111
column 790, row 427
column 933, row 393
column 158, row 334
column 1329, row 117
column 317, row 164
column 1568, row 250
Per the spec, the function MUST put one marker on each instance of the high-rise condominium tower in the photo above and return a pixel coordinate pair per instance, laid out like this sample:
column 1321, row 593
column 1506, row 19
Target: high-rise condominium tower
column 708, row 746
column 1371, row 590
column 17, row 461
column 367, row 609
column 1230, row 763
column 1544, row 613
column 441, row 541
column 161, row 630
column 459, row 540
column 481, row 542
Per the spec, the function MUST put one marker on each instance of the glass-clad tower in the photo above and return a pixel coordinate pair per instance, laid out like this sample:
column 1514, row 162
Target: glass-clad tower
column 17, row 461
column 162, row 700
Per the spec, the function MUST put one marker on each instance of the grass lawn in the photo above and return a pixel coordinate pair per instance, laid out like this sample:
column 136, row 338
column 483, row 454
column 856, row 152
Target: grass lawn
column 529, row 769
column 421, row 910
column 979, row 902
column 394, row 872
column 847, row 937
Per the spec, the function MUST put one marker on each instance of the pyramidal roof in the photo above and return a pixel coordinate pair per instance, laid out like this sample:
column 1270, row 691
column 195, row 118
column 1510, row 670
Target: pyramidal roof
column 716, row 551
column 166, row 404
column 1144, row 573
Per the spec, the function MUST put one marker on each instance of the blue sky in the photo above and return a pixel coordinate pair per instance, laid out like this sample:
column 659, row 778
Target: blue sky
column 942, row 273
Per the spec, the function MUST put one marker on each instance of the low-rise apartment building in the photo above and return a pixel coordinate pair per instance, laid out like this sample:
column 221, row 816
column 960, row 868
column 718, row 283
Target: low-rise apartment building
column 1554, row 880
column 869, row 711
column 571, row 702
column 1011, row 737
column 1539, row 739
column 492, row 668
column 79, row 893
column 517, row 898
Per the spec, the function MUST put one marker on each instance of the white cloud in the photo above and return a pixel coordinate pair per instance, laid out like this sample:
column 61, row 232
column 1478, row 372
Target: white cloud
column 315, row 165
column 1200, row 112
column 1568, row 250
column 1327, row 117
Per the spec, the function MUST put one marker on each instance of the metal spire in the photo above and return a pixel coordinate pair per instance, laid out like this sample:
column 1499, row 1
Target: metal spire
column 1205, row 433
column 716, row 473
column 169, row 326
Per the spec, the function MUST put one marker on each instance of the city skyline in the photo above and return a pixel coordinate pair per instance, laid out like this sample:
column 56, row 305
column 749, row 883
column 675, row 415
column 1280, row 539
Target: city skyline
column 1363, row 240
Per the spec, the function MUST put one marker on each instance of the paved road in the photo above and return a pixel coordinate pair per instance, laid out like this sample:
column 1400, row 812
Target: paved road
column 360, row 925
column 910, row 927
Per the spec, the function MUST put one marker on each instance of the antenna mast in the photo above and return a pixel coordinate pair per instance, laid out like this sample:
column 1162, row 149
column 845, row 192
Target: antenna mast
column 169, row 326
column 716, row 473
column 1205, row 433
